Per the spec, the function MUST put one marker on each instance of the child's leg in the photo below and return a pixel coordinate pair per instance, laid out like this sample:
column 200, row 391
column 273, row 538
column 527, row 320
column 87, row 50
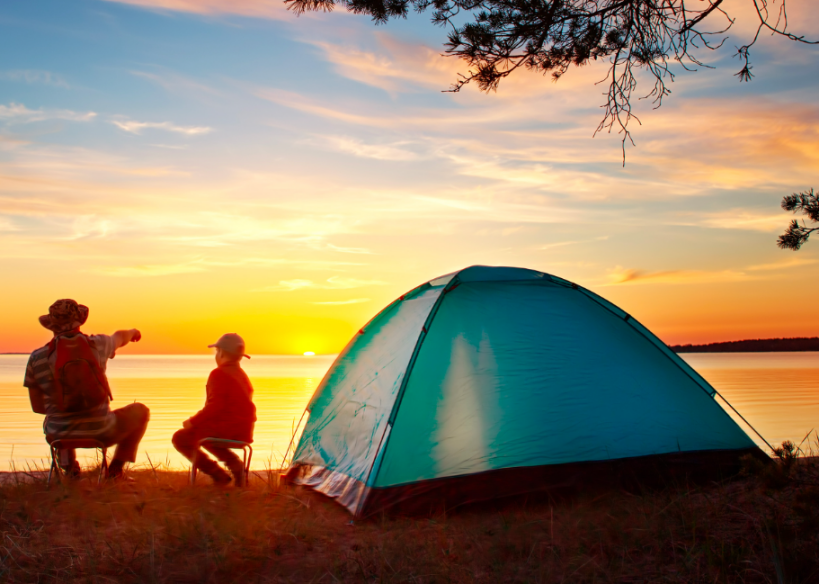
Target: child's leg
column 226, row 455
column 231, row 460
column 185, row 441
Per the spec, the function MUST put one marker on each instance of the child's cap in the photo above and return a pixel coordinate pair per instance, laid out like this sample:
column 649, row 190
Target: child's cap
column 231, row 343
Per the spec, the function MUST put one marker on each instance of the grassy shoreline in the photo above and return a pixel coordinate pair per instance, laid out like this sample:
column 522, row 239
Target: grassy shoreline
column 761, row 527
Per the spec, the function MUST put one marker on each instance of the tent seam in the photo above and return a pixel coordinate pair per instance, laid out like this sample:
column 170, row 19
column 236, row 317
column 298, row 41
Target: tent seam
column 308, row 409
column 405, row 382
column 630, row 320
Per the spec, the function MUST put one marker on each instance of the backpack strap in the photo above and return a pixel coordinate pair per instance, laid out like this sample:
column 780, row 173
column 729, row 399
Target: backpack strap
column 101, row 377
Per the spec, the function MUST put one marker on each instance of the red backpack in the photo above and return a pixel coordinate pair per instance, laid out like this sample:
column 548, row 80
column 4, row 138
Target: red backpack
column 79, row 381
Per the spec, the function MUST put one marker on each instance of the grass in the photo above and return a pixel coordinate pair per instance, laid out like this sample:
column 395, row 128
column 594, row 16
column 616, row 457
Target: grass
column 761, row 527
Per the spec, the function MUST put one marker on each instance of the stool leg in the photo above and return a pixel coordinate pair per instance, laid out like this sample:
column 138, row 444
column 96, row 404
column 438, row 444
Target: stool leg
column 192, row 478
column 52, row 469
column 244, row 467
column 103, row 465
column 247, row 464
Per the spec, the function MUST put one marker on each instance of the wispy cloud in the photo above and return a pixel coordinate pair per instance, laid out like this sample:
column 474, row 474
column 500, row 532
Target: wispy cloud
column 134, row 127
column 149, row 270
column 8, row 143
column 353, row 250
column 17, row 112
column 477, row 119
column 743, row 219
column 310, row 106
column 34, row 76
column 343, row 302
column 273, row 9
column 302, row 264
column 573, row 242
column 544, row 140
column 175, row 83
column 333, row 283
column 396, row 151
column 782, row 265
column 620, row 276
column 288, row 286
column 49, row 169
column 341, row 283
column 396, row 66
column 524, row 173
column 87, row 227
column 7, row 225
column 750, row 143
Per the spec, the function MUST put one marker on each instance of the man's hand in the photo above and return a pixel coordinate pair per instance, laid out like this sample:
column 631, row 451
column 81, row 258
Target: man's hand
column 123, row 337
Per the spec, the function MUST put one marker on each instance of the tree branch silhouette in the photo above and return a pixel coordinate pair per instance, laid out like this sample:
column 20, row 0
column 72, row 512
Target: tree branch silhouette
column 797, row 234
column 498, row 37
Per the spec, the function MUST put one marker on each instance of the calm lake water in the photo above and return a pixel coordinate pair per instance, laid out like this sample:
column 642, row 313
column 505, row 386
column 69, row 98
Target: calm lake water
column 776, row 392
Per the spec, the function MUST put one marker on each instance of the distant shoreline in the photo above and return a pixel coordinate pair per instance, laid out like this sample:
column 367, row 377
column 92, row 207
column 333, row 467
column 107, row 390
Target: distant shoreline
column 793, row 345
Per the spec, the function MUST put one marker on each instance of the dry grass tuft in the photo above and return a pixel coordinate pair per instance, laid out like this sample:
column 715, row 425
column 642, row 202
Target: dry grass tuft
column 158, row 529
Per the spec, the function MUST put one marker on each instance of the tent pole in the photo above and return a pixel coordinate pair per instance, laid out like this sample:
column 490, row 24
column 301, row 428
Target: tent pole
column 293, row 437
column 398, row 398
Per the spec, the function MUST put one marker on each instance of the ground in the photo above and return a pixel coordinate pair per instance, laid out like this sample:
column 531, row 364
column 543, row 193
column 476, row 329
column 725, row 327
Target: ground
column 760, row 527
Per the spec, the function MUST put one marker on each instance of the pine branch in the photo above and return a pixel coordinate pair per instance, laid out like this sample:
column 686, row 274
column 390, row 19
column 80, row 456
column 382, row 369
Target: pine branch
column 498, row 37
column 797, row 234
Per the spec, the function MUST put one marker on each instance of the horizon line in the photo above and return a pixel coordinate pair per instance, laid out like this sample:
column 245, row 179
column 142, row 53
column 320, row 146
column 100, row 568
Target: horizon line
column 198, row 354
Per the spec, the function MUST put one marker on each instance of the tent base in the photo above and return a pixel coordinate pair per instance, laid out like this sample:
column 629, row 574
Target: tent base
column 344, row 490
column 447, row 493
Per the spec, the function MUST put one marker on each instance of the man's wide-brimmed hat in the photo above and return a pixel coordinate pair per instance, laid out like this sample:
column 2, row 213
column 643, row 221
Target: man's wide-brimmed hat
column 64, row 315
column 231, row 343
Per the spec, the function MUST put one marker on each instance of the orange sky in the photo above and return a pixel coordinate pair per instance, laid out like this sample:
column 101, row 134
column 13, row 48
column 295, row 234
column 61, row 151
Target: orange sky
column 168, row 168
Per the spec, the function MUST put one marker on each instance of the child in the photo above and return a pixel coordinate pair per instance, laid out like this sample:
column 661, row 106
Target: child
column 229, row 413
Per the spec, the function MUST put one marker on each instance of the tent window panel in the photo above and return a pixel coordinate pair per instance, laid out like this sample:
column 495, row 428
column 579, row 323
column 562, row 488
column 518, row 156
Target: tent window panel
column 355, row 399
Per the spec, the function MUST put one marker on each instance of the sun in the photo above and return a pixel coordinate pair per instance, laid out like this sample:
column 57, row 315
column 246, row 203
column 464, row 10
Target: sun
column 309, row 354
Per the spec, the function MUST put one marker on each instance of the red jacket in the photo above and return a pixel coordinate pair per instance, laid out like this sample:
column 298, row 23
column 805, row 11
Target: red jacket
column 229, row 411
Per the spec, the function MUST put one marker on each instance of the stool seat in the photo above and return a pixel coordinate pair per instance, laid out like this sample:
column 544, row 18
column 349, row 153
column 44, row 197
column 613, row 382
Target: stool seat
column 63, row 443
column 245, row 447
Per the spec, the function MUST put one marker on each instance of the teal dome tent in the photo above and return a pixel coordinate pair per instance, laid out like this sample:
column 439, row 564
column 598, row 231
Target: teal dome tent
column 494, row 381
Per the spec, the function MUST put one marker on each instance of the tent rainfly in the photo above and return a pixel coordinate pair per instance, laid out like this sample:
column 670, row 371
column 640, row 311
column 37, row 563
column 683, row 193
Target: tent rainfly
column 494, row 381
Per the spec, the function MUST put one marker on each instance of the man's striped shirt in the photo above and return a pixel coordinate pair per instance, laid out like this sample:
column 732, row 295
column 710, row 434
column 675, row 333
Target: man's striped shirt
column 40, row 377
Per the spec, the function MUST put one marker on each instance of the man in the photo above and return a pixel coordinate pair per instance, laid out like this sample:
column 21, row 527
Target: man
column 229, row 413
column 66, row 381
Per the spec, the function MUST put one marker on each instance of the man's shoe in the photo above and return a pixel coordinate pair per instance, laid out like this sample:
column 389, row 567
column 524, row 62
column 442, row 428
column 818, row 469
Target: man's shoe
column 116, row 470
column 72, row 472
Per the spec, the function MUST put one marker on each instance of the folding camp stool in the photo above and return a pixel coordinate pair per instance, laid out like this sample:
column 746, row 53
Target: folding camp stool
column 62, row 443
column 245, row 447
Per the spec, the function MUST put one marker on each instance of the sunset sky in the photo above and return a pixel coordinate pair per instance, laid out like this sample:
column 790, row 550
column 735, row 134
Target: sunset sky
column 194, row 167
